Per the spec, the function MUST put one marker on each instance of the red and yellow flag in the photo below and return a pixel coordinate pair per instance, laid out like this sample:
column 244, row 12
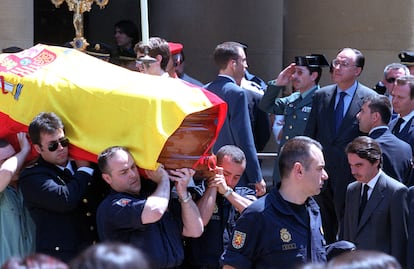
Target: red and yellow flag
column 103, row 105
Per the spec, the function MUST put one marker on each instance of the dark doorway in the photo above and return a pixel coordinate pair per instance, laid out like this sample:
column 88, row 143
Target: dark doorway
column 54, row 26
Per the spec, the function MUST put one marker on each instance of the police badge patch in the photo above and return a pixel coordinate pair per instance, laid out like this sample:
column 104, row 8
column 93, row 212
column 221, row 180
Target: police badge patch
column 123, row 202
column 285, row 235
column 238, row 239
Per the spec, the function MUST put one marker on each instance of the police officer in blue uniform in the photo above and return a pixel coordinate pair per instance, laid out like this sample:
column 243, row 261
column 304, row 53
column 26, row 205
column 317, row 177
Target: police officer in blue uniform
column 284, row 228
column 220, row 202
column 57, row 192
column 139, row 212
column 304, row 74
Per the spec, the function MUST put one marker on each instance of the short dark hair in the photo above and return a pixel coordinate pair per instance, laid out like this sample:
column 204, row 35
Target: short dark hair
column 382, row 105
column 156, row 46
column 317, row 70
column 295, row 150
column 129, row 28
column 12, row 49
column 360, row 58
column 108, row 154
column 44, row 122
column 366, row 148
column 111, row 255
column 234, row 152
column 225, row 52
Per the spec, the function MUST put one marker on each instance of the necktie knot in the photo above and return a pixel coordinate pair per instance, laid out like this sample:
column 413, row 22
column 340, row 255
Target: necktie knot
column 68, row 173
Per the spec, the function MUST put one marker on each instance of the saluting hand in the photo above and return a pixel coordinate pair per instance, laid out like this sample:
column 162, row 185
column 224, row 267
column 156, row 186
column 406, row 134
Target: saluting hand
column 286, row 75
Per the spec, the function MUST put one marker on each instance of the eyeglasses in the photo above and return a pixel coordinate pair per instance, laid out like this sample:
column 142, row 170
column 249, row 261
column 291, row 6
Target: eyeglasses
column 142, row 64
column 64, row 142
column 337, row 64
column 390, row 80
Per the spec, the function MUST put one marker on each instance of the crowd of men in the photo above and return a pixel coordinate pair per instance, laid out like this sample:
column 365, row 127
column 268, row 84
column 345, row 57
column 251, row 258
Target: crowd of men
column 343, row 177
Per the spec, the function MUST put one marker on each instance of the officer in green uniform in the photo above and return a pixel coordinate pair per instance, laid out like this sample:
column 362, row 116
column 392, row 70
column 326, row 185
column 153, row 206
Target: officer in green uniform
column 304, row 74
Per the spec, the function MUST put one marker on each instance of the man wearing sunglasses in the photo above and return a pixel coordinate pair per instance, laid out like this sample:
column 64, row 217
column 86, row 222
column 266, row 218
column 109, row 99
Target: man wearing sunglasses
column 53, row 190
column 391, row 73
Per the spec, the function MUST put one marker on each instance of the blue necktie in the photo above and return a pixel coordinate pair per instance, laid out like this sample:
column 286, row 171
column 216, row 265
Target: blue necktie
column 339, row 111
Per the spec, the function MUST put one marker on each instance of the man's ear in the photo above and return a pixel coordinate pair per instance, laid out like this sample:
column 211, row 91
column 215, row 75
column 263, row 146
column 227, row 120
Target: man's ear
column 159, row 58
column 314, row 76
column 231, row 64
column 376, row 116
column 298, row 169
column 358, row 71
column 107, row 178
column 37, row 148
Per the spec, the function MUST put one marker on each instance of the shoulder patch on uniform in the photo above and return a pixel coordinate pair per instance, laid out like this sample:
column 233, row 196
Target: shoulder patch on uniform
column 123, row 202
column 238, row 239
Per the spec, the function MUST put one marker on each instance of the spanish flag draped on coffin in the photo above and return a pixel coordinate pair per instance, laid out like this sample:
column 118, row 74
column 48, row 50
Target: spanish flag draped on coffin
column 161, row 120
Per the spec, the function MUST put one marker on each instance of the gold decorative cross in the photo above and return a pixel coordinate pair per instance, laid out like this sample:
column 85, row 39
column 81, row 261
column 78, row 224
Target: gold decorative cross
column 79, row 7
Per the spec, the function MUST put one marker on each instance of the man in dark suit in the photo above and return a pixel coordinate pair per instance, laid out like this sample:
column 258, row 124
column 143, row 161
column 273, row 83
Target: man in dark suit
column 410, row 243
column 403, row 104
column 333, row 123
column 376, row 208
column 231, row 60
column 373, row 119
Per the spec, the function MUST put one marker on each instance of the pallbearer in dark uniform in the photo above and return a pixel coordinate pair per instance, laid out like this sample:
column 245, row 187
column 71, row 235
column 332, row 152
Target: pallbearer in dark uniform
column 304, row 74
column 141, row 212
column 54, row 190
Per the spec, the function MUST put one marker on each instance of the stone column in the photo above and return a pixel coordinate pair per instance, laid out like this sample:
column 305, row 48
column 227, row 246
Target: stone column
column 16, row 20
column 378, row 29
column 201, row 25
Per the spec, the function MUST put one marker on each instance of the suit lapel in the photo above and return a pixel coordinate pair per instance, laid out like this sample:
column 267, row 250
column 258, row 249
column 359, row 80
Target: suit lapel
column 353, row 109
column 354, row 209
column 330, row 99
column 375, row 199
column 408, row 127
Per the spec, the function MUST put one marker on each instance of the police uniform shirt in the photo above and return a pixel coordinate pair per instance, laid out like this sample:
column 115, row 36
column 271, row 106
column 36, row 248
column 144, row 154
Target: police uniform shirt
column 206, row 250
column 281, row 241
column 119, row 219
